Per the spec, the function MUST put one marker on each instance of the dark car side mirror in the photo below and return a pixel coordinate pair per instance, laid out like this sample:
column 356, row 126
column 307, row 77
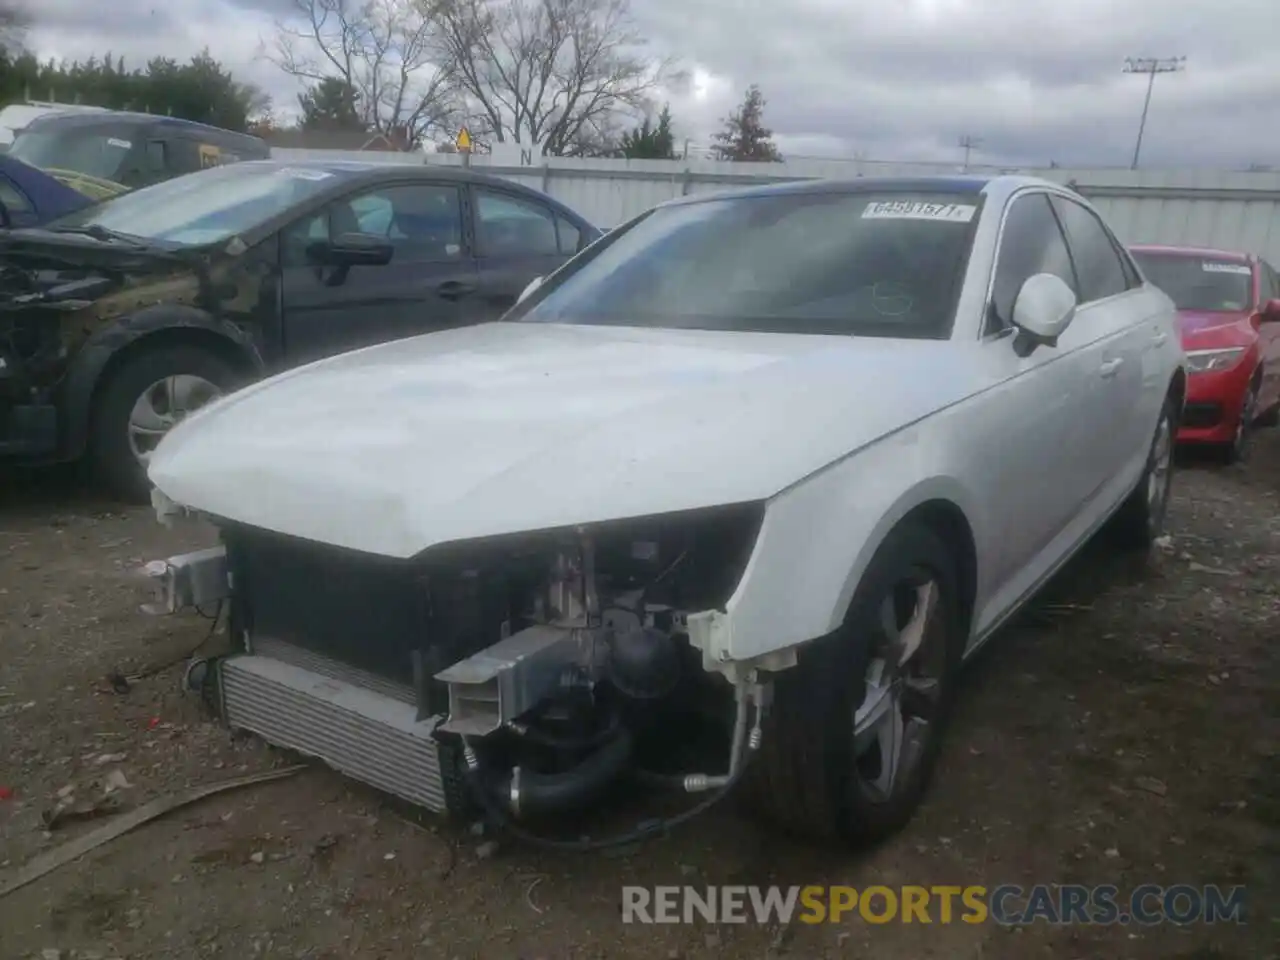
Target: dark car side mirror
column 1271, row 311
column 351, row 250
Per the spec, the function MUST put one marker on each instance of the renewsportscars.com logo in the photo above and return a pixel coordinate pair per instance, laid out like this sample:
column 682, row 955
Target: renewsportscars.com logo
column 1006, row 904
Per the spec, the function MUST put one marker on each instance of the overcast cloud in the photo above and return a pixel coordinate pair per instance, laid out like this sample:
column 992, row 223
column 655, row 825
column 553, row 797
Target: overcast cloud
column 1035, row 80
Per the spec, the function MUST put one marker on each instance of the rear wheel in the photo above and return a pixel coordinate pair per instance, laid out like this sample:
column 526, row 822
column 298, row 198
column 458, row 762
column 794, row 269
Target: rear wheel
column 1140, row 519
column 853, row 736
column 141, row 402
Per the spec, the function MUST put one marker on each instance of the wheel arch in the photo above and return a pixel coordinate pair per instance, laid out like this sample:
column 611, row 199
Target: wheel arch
column 160, row 327
column 948, row 522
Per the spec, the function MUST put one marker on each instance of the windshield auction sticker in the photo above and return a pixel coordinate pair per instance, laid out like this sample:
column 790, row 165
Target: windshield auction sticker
column 918, row 210
column 1243, row 269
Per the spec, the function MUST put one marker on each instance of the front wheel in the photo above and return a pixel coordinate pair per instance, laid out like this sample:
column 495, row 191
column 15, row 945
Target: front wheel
column 1141, row 518
column 1237, row 450
column 854, row 732
column 141, row 401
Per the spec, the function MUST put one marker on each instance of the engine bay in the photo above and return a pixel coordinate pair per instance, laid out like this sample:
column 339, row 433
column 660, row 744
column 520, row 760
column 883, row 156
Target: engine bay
column 547, row 668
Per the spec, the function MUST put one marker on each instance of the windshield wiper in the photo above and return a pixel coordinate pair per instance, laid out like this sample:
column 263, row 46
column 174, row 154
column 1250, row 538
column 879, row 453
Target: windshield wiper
column 103, row 234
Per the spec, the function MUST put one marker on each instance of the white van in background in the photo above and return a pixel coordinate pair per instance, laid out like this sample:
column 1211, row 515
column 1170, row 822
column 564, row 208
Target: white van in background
column 17, row 115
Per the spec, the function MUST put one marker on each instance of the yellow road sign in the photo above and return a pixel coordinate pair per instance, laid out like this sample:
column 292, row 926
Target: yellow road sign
column 464, row 139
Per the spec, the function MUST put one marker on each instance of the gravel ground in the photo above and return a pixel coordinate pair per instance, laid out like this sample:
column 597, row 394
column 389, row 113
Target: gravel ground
column 1124, row 731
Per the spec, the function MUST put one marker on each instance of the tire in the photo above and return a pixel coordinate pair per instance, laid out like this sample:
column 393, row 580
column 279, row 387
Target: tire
column 1237, row 451
column 806, row 780
column 1140, row 519
column 111, row 455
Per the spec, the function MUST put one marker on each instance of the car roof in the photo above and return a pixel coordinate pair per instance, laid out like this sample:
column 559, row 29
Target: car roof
column 996, row 187
column 86, row 120
column 1235, row 255
column 356, row 172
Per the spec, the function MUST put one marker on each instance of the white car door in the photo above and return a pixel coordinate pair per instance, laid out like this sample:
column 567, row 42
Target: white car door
column 1109, row 323
column 1037, row 473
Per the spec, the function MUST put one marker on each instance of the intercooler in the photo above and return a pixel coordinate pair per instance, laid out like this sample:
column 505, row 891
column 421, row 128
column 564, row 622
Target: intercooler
column 355, row 722
column 341, row 648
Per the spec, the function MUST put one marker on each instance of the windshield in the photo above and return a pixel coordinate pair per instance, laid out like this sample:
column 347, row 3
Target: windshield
column 1195, row 283
column 96, row 152
column 855, row 263
column 205, row 207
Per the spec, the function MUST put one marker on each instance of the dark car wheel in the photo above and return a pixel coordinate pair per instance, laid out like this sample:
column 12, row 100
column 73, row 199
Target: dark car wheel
column 140, row 402
column 854, row 732
column 1140, row 519
column 1237, row 451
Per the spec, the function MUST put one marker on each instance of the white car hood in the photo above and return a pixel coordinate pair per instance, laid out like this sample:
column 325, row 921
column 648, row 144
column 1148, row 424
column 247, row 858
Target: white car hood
column 509, row 427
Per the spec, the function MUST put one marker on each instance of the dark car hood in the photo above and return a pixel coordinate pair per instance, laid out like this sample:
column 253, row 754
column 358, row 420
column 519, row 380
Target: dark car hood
column 48, row 195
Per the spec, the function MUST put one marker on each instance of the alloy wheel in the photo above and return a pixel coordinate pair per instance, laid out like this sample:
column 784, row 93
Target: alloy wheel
column 164, row 405
column 903, row 684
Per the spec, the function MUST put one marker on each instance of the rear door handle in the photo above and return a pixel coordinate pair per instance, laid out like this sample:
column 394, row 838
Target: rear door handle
column 455, row 289
column 1109, row 368
column 1159, row 339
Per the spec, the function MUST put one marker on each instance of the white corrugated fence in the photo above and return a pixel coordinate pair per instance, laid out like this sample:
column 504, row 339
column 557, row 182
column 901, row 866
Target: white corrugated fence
column 1234, row 211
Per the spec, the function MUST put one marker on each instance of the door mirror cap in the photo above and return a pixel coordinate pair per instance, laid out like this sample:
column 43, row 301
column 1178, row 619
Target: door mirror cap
column 1043, row 309
column 351, row 250
column 534, row 284
column 1271, row 310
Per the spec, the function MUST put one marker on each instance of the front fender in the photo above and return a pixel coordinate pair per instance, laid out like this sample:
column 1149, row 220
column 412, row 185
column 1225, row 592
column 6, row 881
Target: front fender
column 818, row 537
column 95, row 356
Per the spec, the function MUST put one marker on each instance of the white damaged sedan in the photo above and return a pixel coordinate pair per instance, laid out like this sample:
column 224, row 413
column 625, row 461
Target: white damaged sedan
column 727, row 499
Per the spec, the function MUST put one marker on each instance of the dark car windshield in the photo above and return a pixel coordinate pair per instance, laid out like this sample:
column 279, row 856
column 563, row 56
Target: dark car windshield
column 1199, row 283
column 205, row 207
column 94, row 151
column 857, row 263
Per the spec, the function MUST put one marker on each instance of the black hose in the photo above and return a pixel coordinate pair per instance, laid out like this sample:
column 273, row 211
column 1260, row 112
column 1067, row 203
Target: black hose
column 535, row 793
column 646, row 830
column 558, row 742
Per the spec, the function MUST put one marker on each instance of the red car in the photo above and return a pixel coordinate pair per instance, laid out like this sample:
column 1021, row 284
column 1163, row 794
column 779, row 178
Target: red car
column 1229, row 312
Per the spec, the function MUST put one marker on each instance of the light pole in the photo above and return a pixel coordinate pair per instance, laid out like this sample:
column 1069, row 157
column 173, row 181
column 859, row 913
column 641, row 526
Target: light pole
column 968, row 143
column 1150, row 66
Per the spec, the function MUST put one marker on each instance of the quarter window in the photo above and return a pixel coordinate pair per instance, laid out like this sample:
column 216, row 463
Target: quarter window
column 1031, row 243
column 570, row 236
column 507, row 227
column 14, row 202
column 1097, row 261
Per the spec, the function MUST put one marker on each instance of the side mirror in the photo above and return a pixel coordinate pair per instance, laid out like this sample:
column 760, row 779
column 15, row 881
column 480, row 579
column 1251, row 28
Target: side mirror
column 1042, row 310
column 534, row 284
column 351, row 250
column 1271, row 311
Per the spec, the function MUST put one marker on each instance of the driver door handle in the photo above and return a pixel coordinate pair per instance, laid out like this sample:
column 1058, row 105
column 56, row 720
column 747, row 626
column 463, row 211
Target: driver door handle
column 1159, row 339
column 455, row 289
column 1109, row 368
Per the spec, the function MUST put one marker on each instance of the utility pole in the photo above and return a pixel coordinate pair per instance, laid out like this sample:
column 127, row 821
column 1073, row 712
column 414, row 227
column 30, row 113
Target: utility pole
column 1150, row 66
column 967, row 143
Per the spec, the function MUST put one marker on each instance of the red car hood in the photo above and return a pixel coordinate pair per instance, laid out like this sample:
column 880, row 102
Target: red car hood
column 1213, row 329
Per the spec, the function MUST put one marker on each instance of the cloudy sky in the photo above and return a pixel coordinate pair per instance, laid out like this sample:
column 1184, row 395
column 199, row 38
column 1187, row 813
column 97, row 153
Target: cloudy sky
column 1033, row 80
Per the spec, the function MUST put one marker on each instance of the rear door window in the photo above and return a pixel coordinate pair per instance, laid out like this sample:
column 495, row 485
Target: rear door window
column 1097, row 261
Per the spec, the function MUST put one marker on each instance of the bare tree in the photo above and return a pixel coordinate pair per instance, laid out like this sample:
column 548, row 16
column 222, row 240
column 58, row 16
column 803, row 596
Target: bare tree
column 387, row 51
column 563, row 73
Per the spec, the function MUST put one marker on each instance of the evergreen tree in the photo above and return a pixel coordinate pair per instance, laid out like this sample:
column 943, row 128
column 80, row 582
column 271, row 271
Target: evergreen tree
column 330, row 105
column 745, row 138
column 650, row 142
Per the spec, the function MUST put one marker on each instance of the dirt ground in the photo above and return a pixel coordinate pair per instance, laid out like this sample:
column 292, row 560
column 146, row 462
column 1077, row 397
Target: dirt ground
column 1125, row 731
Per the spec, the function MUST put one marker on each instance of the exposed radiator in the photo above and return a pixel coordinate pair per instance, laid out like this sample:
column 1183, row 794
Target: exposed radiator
column 361, row 732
